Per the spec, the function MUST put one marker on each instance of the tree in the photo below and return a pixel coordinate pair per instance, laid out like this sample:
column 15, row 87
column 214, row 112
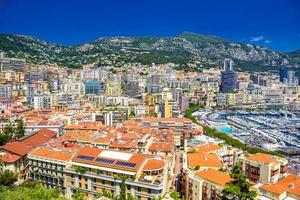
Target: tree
column 175, row 195
column 6, row 134
column 132, row 114
column 79, row 195
column 31, row 191
column 123, row 195
column 80, row 169
column 105, row 193
column 239, row 188
column 20, row 129
column 7, row 177
column 1, row 165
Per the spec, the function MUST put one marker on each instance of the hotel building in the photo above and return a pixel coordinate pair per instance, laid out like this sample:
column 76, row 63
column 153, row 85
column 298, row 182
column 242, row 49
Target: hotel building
column 94, row 171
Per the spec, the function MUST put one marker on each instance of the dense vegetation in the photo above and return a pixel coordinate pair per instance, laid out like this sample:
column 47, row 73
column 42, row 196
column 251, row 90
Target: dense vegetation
column 30, row 191
column 117, row 51
column 223, row 136
column 9, row 132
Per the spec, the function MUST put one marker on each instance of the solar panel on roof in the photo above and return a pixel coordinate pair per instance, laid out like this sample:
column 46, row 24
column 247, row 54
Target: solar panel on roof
column 85, row 157
column 125, row 164
column 108, row 161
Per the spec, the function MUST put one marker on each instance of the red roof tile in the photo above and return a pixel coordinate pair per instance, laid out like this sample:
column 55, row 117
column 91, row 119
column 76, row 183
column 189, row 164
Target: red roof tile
column 22, row 147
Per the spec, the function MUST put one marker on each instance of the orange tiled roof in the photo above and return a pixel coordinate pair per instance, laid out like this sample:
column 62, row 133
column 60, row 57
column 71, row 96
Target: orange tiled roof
column 130, row 136
column 153, row 164
column 10, row 158
column 127, row 144
column 215, row 176
column 56, row 154
column 22, row 147
column 136, row 159
column 204, row 160
column 208, row 148
column 161, row 146
column 284, row 185
column 261, row 157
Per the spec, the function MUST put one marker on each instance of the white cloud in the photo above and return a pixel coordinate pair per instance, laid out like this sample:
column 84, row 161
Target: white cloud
column 267, row 41
column 257, row 38
column 260, row 39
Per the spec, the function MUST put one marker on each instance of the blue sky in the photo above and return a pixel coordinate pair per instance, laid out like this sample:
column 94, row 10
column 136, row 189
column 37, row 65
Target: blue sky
column 272, row 23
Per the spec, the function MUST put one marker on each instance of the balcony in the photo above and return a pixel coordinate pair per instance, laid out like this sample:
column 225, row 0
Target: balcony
column 154, row 184
column 283, row 169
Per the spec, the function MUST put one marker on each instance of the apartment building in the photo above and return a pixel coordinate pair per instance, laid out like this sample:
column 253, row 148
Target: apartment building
column 14, row 154
column 206, row 184
column 203, row 160
column 227, row 154
column 286, row 188
column 263, row 168
column 47, row 164
column 5, row 91
column 94, row 170
column 42, row 102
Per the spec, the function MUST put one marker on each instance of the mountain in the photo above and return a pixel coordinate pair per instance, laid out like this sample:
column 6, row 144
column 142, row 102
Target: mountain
column 184, row 48
column 295, row 55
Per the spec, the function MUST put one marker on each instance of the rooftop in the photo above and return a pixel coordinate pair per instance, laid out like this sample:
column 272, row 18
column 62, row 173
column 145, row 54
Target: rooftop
column 161, row 146
column 204, row 160
column 22, row 147
column 290, row 183
column 208, row 148
column 153, row 164
column 215, row 176
column 60, row 154
column 110, row 159
column 261, row 157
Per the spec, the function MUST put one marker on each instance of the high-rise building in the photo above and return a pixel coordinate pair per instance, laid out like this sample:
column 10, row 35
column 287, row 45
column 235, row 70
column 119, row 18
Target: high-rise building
column 132, row 88
column 5, row 91
column 154, row 79
column 42, row 102
column 113, row 89
column 228, row 64
column 291, row 78
column 10, row 63
column 228, row 77
column 92, row 87
column 283, row 72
